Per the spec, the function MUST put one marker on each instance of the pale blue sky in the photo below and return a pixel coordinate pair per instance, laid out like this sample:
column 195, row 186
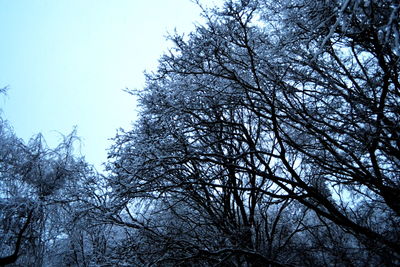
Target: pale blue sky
column 67, row 61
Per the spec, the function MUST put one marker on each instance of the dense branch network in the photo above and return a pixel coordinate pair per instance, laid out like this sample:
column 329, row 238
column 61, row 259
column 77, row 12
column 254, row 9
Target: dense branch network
column 273, row 110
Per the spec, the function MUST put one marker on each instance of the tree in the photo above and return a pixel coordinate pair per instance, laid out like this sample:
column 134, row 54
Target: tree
column 270, row 106
column 38, row 187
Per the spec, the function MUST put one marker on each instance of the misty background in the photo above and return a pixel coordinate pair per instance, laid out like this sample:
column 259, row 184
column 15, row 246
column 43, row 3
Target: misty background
column 66, row 63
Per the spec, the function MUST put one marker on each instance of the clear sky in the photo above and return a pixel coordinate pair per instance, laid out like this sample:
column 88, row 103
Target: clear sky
column 66, row 63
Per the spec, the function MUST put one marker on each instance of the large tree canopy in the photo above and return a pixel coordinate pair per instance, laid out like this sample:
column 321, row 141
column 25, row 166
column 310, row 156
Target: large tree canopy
column 269, row 135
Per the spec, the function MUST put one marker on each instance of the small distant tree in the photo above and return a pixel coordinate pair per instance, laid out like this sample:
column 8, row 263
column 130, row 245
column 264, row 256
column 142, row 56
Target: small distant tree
column 38, row 184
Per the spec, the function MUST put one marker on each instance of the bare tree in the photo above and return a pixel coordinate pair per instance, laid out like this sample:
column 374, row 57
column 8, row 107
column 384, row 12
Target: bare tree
column 40, row 191
column 266, row 107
